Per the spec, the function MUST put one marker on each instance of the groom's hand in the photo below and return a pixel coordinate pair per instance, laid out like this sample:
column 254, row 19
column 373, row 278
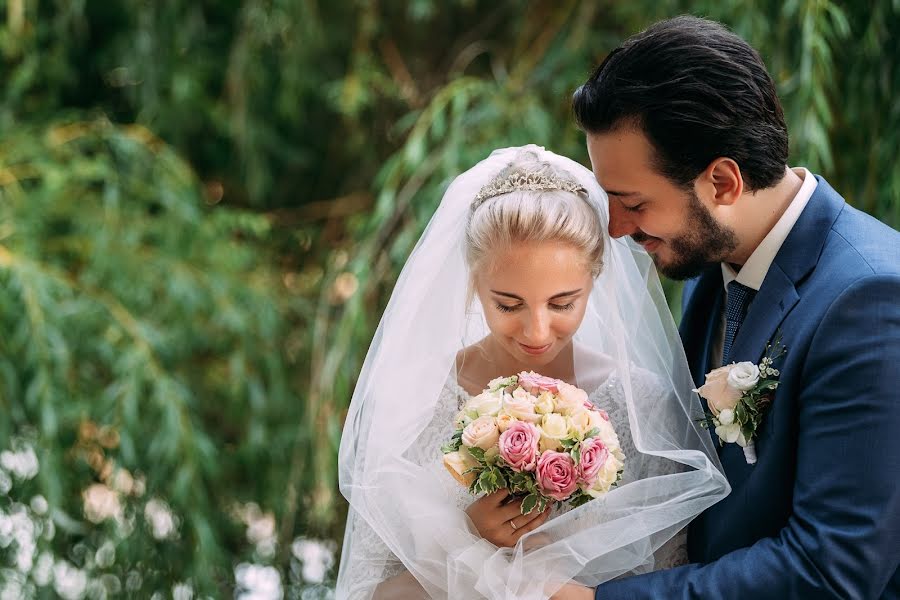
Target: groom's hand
column 499, row 519
column 572, row 591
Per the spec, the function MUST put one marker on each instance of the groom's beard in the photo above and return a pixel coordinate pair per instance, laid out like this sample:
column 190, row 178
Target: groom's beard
column 702, row 242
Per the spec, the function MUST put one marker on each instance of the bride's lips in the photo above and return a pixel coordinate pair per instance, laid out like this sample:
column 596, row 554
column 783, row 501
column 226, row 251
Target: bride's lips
column 534, row 350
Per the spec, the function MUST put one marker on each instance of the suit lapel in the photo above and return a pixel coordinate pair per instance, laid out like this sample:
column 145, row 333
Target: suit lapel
column 698, row 322
column 796, row 258
column 778, row 294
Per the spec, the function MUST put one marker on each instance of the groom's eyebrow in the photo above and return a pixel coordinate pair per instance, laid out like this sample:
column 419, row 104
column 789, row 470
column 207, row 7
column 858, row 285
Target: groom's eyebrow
column 520, row 299
column 623, row 194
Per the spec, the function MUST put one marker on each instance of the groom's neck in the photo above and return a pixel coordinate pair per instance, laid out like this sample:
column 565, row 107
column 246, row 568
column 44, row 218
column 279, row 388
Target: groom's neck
column 756, row 213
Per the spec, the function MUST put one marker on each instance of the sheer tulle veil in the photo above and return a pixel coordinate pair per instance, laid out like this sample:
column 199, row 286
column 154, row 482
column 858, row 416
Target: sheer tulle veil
column 429, row 319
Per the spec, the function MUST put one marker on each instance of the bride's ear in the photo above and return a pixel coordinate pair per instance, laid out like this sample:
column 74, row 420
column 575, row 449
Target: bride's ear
column 721, row 183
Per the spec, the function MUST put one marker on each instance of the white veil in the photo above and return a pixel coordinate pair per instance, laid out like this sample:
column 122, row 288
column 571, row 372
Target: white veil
column 403, row 502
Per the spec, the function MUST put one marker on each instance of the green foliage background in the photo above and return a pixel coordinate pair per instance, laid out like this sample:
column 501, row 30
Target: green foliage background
column 204, row 205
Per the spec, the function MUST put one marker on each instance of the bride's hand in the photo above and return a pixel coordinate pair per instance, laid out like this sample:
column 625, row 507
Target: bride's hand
column 501, row 522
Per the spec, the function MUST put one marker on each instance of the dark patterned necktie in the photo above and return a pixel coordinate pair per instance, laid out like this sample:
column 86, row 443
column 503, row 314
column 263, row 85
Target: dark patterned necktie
column 739, row 298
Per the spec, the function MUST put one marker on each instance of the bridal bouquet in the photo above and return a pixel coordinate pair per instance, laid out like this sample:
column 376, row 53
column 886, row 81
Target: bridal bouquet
column 539, row 437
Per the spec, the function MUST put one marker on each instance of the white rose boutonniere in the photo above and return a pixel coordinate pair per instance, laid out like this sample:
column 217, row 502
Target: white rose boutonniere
column 738, row 396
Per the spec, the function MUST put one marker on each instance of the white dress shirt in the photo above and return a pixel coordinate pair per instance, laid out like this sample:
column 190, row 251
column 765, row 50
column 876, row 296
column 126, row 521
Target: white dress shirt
column 754, row 270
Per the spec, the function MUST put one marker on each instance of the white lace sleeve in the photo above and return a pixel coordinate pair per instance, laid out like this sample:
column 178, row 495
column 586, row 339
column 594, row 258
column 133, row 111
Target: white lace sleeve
column 371, row 562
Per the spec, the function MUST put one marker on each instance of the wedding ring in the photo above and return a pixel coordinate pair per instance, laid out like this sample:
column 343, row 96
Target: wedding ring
column 513, row 525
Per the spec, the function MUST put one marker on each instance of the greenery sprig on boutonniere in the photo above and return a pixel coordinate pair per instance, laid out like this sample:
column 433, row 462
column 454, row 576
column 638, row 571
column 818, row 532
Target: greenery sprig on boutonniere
column 739, row 395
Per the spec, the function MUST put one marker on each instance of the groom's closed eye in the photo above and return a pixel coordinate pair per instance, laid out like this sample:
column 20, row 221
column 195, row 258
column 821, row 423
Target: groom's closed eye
column 630, row 201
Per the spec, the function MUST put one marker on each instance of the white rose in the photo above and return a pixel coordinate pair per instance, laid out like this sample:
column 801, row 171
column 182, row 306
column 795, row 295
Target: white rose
column 544, row 405
column 732, row 434
column 743, row 376
column 485, row 403
column 726, row 417
column 481, row 433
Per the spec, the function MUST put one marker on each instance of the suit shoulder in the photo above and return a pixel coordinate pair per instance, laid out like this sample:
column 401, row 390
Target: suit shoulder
column 863, row 244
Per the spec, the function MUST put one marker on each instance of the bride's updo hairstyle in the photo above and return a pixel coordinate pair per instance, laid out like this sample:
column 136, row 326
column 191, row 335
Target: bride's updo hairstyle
column 532, row 201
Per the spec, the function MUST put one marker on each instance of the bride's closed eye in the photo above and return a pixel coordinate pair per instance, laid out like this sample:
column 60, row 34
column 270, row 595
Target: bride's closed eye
column 563, row 307
column 558, row 307
column 508, row 309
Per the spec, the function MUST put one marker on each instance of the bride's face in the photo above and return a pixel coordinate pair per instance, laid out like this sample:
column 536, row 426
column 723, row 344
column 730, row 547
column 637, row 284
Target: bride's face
column 534, row 297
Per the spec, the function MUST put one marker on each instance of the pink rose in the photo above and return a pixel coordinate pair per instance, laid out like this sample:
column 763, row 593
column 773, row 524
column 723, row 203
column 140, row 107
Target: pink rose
column 593, row 457
column 556, row 474
column 718, row 394
column 536, row 383
column 519, row 445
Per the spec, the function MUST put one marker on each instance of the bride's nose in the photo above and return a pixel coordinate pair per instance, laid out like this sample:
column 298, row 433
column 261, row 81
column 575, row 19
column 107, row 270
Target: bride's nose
column 537, row 328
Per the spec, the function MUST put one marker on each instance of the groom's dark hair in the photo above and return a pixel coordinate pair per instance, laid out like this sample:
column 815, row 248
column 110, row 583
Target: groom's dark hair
column 697, row 92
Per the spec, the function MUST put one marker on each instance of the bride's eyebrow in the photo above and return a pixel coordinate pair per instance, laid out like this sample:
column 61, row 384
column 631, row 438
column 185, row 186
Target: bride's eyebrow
column 520, row 299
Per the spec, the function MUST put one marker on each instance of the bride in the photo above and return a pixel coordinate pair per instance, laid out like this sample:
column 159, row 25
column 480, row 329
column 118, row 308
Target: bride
column 516, row 272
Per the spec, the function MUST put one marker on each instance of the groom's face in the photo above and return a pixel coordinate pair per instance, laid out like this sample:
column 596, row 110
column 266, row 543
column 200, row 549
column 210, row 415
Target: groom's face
column 673, row 224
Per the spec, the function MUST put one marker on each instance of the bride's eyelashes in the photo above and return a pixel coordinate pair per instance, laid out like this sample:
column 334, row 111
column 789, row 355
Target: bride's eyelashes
column 557, row 307
column 508, row 309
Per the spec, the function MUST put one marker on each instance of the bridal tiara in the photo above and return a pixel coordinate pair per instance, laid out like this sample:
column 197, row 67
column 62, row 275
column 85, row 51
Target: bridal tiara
column 522, row 180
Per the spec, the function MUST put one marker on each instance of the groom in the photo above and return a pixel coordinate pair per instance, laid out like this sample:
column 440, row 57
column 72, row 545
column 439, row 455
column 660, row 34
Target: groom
column 687, row 136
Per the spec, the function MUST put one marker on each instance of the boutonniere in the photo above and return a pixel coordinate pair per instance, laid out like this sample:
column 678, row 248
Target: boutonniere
column 738, row 396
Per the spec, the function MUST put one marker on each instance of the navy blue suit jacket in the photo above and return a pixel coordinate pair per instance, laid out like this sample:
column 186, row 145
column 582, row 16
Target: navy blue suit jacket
column 818, row 516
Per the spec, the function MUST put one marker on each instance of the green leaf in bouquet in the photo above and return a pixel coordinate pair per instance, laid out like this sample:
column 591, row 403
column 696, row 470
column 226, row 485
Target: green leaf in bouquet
column 529, row 503
column 487, row 482
column 575, row 453
column 579, row 498
column 592, row 433
column 502, row 480
column 454, row 443
column 478, row 453
column 543, row 501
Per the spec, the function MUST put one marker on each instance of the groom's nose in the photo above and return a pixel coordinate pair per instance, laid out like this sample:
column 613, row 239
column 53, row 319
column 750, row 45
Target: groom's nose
column 620, row 222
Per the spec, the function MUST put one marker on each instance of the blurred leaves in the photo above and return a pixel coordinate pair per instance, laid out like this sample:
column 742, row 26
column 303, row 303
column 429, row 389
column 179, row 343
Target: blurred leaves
column 204, row 206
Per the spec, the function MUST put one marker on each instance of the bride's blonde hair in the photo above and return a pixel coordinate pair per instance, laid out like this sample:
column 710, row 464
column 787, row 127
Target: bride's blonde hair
column 506, row 212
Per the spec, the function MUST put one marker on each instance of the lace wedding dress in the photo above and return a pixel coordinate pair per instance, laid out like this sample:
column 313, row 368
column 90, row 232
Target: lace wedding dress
column 374, row 562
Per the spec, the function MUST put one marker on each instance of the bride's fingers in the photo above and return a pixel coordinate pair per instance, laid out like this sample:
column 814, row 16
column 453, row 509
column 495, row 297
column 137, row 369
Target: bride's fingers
column 521, row 520
column 532, row 524
column 497, row 498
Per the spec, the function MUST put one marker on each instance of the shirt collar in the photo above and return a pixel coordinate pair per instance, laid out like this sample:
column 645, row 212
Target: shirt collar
column 754, row 270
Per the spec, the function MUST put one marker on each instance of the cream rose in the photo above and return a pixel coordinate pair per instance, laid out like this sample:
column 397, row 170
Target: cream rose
column 743, row 376
column 504, row 421
column 481, row 433
column 485, row 403
column 718, row 394
column 457, row 463
column 606, row 477
column 521, row 406
column 554, row 427
column 581, row 423
column 544, row 404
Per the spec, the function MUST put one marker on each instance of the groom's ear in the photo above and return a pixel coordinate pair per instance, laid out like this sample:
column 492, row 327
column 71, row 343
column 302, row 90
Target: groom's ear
column 721, row 183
